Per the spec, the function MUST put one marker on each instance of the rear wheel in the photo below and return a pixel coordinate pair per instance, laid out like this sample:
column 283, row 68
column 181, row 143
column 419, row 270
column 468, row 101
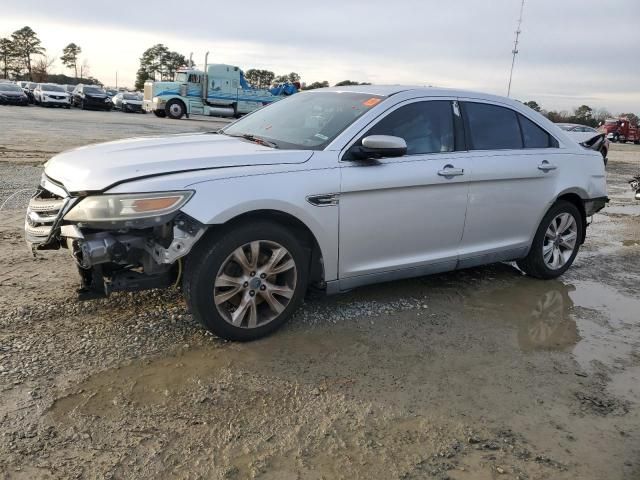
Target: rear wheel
column 245, row 284
column 175, row 109
column 556, row 243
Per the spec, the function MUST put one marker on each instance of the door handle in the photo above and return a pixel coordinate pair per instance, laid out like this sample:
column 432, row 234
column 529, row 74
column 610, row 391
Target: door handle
column 546, row 166
column 450, row 171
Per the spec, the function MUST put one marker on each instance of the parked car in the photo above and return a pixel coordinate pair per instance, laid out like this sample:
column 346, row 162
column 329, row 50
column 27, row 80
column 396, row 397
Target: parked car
column 50, row 95
column 401, row 181
column 12, row 94
column 28, row 90
column 584, row 133
column 91, row 96
column 128, row 102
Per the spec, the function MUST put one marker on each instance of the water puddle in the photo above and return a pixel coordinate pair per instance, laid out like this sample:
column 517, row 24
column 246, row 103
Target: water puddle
column 592, row 321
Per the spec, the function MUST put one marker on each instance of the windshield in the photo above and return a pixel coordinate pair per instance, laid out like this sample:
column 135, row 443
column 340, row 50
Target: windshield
column 31, row 86
column 611, row 121
column 93, row 90
column 51, row 88
column 305, row 120
column 9, row 87
column 131, row 96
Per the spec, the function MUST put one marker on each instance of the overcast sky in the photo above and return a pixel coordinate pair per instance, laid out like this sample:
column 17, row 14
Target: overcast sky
column 571, row 51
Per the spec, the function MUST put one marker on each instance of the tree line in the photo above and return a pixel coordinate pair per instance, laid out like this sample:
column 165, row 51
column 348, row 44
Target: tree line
column 159, row 63
column 583, row 115
column 23, row 57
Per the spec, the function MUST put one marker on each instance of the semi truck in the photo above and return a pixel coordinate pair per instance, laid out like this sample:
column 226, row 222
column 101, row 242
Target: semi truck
column 218, row 90
column 621, row 130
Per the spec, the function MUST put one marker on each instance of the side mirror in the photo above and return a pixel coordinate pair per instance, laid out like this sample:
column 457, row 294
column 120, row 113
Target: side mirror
column 380, row 146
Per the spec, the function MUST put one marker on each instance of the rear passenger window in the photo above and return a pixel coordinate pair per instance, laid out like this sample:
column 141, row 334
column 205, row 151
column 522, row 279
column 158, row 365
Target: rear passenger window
column 533, row 135
column 492, row 127
column 427, row 127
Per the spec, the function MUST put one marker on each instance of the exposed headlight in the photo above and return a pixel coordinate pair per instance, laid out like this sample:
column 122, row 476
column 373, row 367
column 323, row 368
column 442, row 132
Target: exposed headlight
column 107, row 100
column 127, row 206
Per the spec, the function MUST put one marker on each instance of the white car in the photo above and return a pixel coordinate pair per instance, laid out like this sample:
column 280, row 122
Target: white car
column 128, row 102
column 338, row 187
column 585, row 133
column 49, row 95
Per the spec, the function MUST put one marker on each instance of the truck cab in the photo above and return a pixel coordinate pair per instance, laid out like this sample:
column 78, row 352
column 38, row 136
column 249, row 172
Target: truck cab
column 219, row 90
column 621, row 130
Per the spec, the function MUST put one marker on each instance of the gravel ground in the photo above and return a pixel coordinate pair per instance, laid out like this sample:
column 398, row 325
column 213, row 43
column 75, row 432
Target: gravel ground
column 477, row 374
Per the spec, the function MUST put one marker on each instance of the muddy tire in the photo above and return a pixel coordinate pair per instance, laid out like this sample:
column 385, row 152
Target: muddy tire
column 244, row 283
column 556, row 243
column 175, row 109
column 160, row 113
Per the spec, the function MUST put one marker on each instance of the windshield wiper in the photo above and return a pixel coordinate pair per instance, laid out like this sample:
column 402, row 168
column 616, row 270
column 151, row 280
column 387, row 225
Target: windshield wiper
column 255, row 139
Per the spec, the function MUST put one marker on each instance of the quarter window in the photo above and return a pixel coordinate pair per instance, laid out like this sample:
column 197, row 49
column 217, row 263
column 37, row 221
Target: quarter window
column 427, row 127
column 492, row 127
column 532, row 135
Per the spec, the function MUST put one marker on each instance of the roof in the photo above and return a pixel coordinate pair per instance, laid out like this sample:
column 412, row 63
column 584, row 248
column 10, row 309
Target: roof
column 388, row 90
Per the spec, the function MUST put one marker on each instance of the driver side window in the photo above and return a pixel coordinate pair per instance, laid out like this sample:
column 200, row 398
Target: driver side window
column 427, row 127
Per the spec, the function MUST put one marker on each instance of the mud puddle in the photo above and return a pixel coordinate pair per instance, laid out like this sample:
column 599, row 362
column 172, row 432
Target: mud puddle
column 399, row 353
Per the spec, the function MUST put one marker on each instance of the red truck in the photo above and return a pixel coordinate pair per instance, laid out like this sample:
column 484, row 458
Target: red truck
column 621, row 130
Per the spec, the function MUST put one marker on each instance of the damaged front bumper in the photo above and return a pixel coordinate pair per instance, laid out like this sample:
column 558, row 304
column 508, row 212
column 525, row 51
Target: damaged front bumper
column 110, row 257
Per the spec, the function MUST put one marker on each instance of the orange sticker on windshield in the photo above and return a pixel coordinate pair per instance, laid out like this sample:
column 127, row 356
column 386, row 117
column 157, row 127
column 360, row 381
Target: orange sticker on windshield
column 371, row 102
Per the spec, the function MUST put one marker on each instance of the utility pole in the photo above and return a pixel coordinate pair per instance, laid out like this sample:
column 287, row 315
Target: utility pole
column 515, row 48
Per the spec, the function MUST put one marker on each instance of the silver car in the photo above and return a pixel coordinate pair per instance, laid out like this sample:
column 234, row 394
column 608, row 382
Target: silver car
column 338, row 187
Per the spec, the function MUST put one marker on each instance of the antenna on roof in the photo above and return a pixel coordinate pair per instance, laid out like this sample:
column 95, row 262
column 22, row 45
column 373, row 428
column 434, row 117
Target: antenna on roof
column 515, row 48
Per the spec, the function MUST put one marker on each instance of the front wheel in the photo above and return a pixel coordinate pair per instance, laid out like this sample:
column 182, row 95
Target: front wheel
column 175, row 109
column 159, row 113
column 556, row 242
column 245, row 284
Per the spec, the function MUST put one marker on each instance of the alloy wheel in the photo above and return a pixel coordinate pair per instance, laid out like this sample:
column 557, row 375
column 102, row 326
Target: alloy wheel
column 255, row 284
column 560, row 241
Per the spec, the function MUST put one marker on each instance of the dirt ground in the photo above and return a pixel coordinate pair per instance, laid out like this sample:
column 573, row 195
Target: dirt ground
column 477, row 374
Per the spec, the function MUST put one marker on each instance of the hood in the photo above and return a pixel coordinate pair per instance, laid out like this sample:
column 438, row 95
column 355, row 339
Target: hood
column 96, row 167
column 12, row 94
column 53, row 92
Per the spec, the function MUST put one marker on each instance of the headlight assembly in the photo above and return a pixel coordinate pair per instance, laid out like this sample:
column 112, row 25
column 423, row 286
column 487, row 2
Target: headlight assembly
column 128, row 206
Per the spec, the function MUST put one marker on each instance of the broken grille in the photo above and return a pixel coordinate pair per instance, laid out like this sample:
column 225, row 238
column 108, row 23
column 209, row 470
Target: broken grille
column 42, row 215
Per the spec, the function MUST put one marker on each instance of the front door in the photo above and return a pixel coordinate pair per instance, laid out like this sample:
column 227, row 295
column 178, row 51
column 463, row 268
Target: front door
column 404, row 216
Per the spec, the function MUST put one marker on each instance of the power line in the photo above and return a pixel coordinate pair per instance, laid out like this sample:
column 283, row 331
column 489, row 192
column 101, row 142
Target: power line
column 515, row 48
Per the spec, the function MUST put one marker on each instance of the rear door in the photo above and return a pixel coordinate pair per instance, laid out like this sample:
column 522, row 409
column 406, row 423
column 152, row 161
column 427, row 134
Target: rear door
column 515, row 165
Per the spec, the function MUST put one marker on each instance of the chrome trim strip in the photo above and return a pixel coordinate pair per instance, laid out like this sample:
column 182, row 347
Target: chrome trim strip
column 324, row 199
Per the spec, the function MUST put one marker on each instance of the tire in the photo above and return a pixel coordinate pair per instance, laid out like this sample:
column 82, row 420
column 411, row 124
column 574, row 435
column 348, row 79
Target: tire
column 213, row 256
column 175, row 109
column 82, row 107
column 534, row 263
column 160, row 113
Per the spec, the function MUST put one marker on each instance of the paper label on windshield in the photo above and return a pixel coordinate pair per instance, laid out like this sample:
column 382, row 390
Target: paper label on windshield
column 321, row 137
column 371, row 102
